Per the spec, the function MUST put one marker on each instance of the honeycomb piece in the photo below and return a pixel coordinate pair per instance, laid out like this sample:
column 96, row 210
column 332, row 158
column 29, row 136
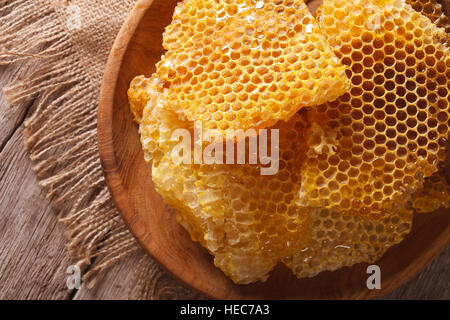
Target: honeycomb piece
column 182, row 189
column 148, row 104
column 374, row 145
column 248, row 221
column 433, row 10
column 240, row 64
column 341, row 240
column 434, row 194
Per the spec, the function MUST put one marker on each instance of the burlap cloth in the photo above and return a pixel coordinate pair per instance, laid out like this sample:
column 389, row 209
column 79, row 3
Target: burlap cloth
column 69, row 41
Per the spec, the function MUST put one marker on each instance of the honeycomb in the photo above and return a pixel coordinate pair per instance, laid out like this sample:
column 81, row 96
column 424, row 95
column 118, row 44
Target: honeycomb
column 433, row 10
column 148, row 105
column 262, row 222
column 351, row 169
column 341, row 240
column 248, row 221
column 375, row 144
column 245, row 236
column 240, row 64
column 434, row 194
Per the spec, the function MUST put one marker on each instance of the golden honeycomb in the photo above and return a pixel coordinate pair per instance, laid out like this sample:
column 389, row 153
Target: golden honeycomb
column 376, row 143
column 240, row 64
column 342, row 240
column 434, row 194
column 147, row 103
column 229, row 209
column 248, row 221
column 433, row 10
column 351, row 171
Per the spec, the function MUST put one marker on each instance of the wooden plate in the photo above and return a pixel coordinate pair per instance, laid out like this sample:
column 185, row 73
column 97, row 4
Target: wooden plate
column 136, row 50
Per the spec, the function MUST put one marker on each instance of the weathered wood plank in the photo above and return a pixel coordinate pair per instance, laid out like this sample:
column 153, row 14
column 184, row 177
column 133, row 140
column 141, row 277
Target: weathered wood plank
column 113, row 285
column 33, row 260
column 10, row 117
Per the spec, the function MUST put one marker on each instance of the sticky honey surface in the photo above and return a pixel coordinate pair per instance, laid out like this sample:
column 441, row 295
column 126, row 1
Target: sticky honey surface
column 239, row 64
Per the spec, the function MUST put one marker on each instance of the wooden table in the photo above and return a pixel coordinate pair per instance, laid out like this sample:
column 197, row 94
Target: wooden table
column 33, row 260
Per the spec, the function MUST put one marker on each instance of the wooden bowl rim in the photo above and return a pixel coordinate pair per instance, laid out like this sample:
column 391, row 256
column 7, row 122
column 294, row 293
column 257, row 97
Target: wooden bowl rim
column 111, row 168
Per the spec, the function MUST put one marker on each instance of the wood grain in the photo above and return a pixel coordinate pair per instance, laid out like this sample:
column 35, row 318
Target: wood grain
column 129, row 179
column 33, row 260
column 114, row 284
column 10, row 117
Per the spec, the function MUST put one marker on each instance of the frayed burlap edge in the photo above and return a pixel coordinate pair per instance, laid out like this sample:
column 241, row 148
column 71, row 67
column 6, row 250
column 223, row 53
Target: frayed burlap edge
column 61, row 137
